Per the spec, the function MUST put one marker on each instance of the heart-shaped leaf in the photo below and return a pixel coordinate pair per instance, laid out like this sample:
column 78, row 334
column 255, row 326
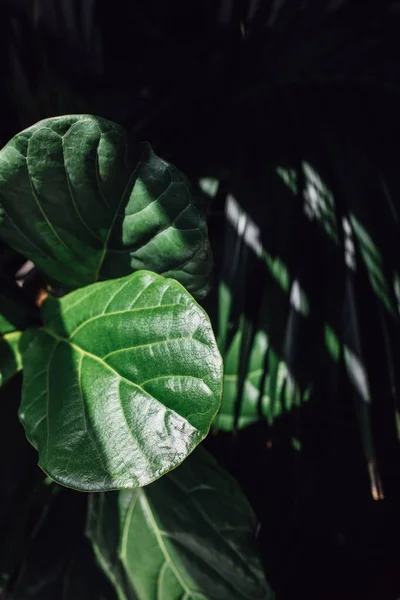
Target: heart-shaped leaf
column 121, row 383
column 189, row 535
column 77, row 200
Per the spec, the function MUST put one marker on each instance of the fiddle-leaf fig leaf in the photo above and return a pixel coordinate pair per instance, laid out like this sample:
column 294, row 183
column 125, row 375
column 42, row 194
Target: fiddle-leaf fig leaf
column 190, row 535
column 85, row 203
column 121, row 383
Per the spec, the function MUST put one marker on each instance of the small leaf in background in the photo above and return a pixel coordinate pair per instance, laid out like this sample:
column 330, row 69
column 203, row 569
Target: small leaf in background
column 78, row 200
column 121, row 383
column 15, row 315
column 189, row 535
column 10, row 362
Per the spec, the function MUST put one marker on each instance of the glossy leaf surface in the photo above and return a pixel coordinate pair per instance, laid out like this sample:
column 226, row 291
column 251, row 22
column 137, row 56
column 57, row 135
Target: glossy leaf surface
column 85, row 204
column 121, row 383
column 189, row 535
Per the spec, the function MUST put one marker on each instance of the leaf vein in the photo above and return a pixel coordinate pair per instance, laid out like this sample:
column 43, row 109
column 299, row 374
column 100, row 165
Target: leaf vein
column 120, row 312
column 153, row 525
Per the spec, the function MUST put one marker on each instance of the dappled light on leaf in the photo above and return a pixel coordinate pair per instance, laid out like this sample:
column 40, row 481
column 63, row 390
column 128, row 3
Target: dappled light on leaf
column 269, row 389
column 289, row 177
column 319, row 201
column 298, row 299
column 209, row 186
column 332, row 343
column 250, row 232
column 372, row 258
column 349, row 248
column 357, row 374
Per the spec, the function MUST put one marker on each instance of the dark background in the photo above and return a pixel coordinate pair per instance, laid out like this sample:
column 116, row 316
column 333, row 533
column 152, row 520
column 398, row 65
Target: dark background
column 230, row 89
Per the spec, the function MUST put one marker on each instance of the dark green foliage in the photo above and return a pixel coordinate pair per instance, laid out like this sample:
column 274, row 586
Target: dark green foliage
column 284, row 115
column 122, row 380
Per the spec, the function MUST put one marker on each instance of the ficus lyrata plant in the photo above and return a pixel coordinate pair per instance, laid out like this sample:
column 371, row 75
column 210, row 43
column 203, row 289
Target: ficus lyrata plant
column 121, row 373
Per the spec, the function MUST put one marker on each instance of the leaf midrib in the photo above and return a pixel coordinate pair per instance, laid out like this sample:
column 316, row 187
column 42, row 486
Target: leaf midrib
column 107, row 239
column 61, row 339
column 199, row 508
column 167, row 558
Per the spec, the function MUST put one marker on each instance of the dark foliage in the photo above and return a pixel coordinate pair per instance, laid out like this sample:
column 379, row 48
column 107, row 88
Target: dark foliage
column 234, row 90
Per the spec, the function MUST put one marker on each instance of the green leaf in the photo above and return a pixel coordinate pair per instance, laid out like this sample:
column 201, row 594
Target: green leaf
column 15, row 314
column 10, row 362
column 263, row 384
column 190, row 535
column 121, row 383
column 256, row 393
column 83, row 206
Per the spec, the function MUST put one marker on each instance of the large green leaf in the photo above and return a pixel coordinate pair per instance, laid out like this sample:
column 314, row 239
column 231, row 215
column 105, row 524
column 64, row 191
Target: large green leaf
column 79, row 201
column 121, row 383
column 190, row 535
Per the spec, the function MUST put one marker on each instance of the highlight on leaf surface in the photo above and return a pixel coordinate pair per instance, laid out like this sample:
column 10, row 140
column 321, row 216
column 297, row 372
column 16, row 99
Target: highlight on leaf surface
column 10, row 362
column 121, row 383
column 85, row 203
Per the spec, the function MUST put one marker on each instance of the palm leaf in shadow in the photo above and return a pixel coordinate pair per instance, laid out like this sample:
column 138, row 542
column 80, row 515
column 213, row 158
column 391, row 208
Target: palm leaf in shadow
column 303, row 289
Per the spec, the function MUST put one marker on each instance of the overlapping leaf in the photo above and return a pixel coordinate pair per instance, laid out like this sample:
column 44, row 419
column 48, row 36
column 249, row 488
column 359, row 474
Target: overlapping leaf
column 43, row 552
column 190, row 535
column 77, row 200
column 121, row 383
